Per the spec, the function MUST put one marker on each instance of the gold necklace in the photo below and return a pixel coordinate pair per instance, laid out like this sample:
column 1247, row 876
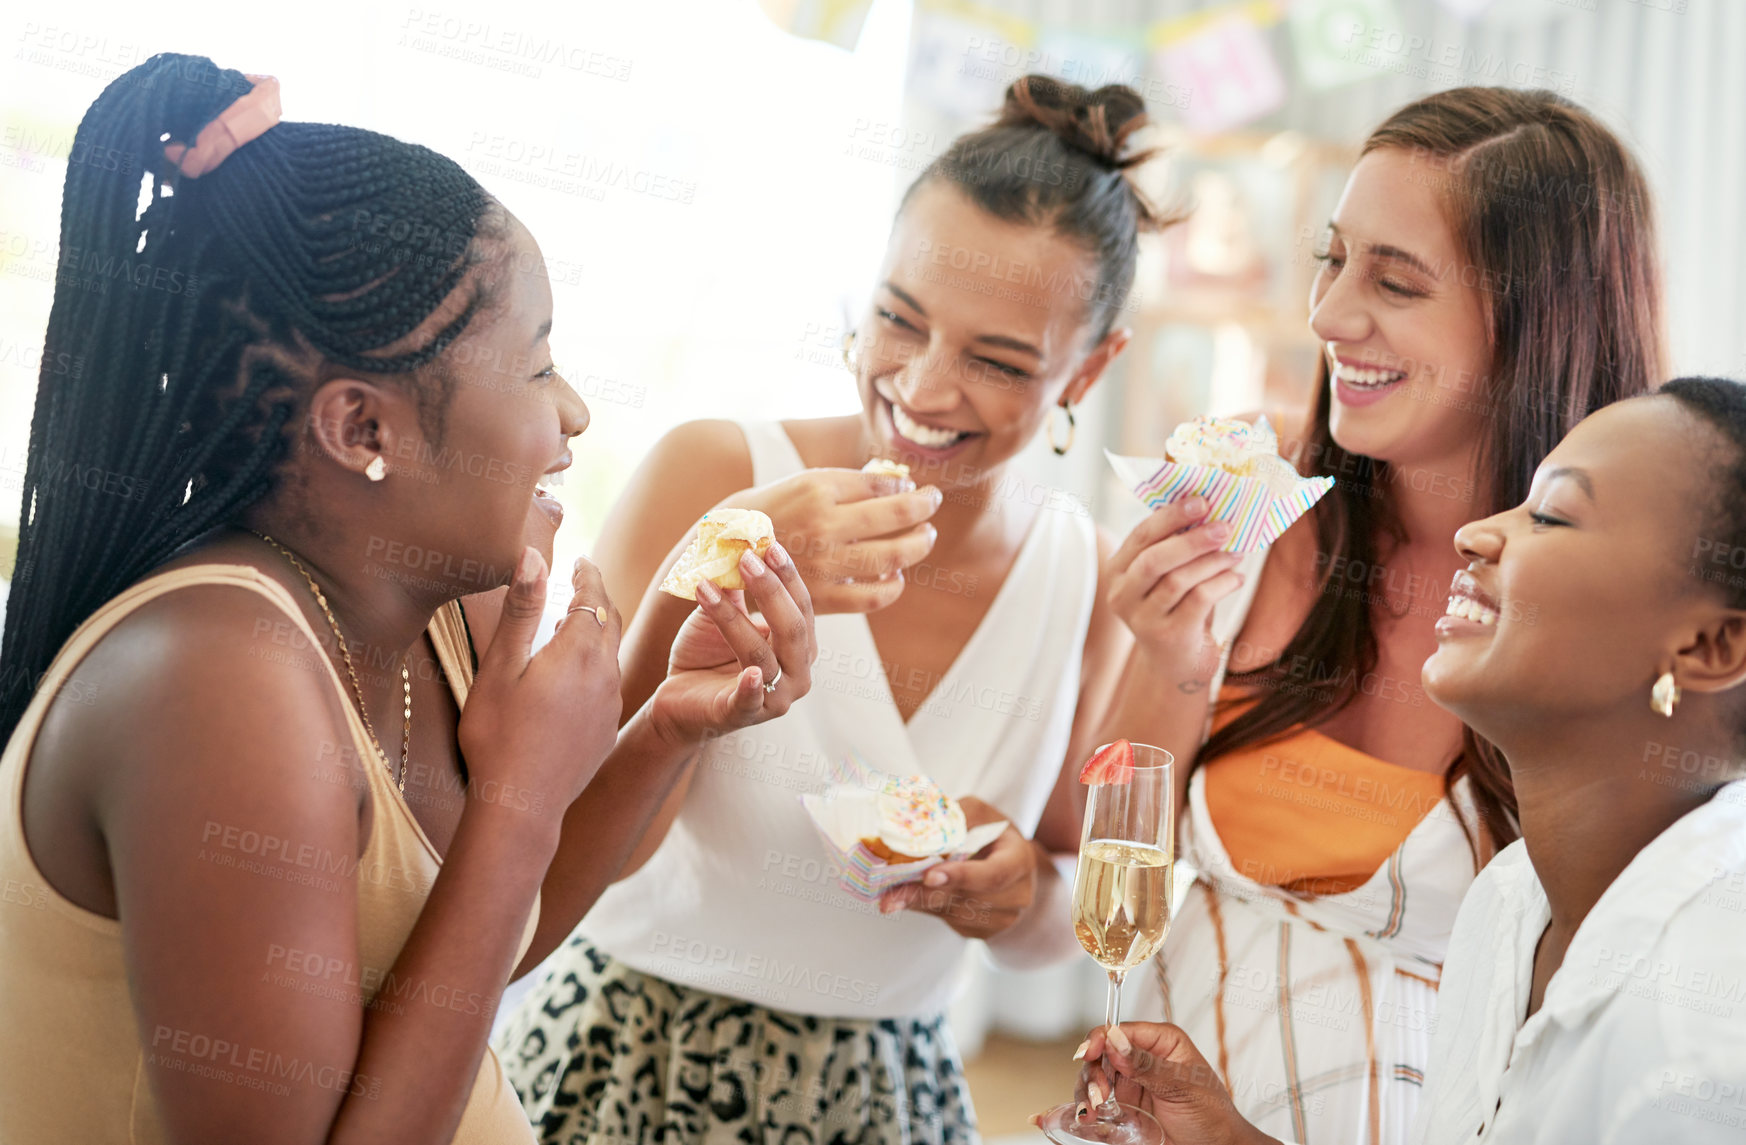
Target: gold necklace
column 357, row 690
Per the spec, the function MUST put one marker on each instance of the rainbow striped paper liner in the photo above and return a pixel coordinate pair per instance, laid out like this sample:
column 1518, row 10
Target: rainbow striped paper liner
column 1246, row 502
column 849, row 813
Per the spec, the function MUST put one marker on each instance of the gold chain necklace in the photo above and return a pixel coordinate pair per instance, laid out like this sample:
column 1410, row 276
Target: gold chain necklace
column 357, row 690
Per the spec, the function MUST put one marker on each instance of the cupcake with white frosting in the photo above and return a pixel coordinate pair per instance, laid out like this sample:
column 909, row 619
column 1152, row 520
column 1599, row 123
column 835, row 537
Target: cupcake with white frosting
column 916, row 820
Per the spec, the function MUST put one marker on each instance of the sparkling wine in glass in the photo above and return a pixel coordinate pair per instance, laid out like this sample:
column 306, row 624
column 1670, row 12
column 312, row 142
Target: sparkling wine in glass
column 1121, row 913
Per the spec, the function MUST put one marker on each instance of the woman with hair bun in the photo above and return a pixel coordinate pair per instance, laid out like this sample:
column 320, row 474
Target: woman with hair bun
column 237, row 907
column 728, row 987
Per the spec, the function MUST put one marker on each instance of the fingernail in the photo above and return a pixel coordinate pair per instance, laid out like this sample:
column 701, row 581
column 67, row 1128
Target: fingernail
column 1119, row 1040
column 1079, row 1054
column 752, row 564
column 936, row 495
column 1219, row 530
column 1094, row 1091
column 775, row 555
column 934, row 878
column 1079, row 1112
column 1194, row 505
column 528, row 568
column 708, row 593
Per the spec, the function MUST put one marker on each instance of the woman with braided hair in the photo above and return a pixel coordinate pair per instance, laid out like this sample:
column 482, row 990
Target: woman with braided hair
column 260, row 886
column 729, row 988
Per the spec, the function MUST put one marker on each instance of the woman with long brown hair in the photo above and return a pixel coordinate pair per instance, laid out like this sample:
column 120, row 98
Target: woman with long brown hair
column 1489, row 278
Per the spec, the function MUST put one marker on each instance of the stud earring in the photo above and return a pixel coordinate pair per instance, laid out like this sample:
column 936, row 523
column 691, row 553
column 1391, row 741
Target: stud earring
column 377, row 469
column 1664, row 695
column 1072, row 428
column 849, row 351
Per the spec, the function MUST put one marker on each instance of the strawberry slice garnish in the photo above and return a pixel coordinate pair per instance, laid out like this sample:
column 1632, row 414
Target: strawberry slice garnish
column 1113, row 764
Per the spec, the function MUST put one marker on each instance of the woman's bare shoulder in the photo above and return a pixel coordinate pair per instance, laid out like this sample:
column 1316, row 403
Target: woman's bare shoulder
column 207, row 702
column 214, row 648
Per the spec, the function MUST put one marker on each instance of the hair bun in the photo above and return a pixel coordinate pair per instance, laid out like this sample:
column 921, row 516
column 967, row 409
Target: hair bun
column 1095, row 122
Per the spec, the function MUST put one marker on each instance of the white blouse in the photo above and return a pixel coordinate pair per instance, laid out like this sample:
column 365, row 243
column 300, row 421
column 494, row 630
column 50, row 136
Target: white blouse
column 742, row 899
column 1641, row 1036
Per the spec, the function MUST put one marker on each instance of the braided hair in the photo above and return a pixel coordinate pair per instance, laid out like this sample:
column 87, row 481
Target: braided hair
column 1054, row 157
column 204, row 311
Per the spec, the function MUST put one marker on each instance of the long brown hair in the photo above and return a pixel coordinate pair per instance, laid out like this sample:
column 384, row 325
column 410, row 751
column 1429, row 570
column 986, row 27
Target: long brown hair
column 1554, row 217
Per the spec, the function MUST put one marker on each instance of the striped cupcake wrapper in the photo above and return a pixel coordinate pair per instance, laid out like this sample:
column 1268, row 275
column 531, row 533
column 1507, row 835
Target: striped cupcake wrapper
column 1247, row 503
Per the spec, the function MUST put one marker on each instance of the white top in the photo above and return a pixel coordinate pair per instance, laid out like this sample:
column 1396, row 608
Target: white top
column 1641, row 1036
column 1316, row 1011
column 741, row 897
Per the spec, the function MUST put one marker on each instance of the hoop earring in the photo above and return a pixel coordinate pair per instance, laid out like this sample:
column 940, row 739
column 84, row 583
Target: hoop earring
column 1664, row 695
column 377, row 469
column 1072, row 429
column 849, row 351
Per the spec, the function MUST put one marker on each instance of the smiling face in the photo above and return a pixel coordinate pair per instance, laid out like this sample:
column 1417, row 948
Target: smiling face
column 1576, row 600
column 978, row 327
column 507, row 426
column 1402, row 320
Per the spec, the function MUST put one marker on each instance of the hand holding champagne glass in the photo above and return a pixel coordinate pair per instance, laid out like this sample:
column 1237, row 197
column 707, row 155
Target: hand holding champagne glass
column 1121, row 906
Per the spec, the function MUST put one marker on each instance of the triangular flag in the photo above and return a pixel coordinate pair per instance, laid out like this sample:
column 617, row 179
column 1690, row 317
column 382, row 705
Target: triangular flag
column 1228, row 71
column 836, row 22
column 1335, row 44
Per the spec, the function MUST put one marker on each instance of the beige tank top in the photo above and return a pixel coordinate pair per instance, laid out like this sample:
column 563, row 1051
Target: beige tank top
column 72, row 1063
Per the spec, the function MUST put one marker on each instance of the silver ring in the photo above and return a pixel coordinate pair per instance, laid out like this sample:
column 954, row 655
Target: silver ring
column 589, row 608
column 771, row 686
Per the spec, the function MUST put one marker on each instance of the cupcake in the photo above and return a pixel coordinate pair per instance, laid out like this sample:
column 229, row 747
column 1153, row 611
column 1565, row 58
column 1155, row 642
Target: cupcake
column 887, row 468
column 722, row 535
column 1236, row 469
column 886, row 831
column 1235, row 446
column 916, row 820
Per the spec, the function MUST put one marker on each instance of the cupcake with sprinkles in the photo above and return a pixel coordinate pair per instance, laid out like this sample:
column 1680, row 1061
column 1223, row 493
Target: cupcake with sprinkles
column 1235, row 446
column 885, row 830
column 1235, row 467
column 916, row 821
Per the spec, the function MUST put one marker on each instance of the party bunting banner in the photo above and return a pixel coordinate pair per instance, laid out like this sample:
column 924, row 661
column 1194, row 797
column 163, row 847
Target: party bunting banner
column 1226, row 70
column 1466, row 9
column 836, row 22
column 1331, row 39
column 962, row 56
column 1091, row 61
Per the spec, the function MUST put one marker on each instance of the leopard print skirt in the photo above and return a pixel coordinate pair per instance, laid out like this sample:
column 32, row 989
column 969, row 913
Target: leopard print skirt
column 600, row 1053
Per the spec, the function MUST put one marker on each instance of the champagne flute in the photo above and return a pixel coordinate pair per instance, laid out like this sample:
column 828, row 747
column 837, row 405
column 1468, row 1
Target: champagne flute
column 1121, row 913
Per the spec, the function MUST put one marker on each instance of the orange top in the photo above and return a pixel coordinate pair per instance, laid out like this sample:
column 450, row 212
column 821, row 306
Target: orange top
column 1309, row 814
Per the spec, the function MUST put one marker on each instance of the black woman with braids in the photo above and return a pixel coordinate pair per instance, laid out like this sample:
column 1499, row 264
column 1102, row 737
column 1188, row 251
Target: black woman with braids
column 275, row 836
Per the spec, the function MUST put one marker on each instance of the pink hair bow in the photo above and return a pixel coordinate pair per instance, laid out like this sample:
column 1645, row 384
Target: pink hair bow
column 236, row 125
